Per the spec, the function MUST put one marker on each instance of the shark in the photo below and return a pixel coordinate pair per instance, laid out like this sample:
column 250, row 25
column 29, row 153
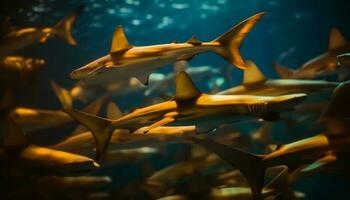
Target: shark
column 344, row 59
column 21, row 38
column 188, row 107
column 256, row 83
column 315, row 151
column 17, row 149
column 21, row 64
column 126, row 60
column 322, row 65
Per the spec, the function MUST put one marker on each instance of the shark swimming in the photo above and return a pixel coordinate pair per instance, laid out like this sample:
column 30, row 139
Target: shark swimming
column 322, row 65
column 317, row 150
column 17, row 149
column 19, row 39
column 255, row 83
column 126, row 60
column 189, row 107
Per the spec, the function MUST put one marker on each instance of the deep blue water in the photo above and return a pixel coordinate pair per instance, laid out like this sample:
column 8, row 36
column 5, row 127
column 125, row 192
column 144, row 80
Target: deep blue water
column 292, row 32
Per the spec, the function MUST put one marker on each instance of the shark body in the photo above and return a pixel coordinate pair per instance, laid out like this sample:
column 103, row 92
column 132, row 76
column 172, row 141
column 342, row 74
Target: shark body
column 126, row 60
column 255, row 83
column 189, row 107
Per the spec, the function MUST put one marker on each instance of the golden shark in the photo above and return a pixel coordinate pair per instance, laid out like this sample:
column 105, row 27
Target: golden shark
column 255, row 83
column 189, row 107
column 18, row 149
column 322, row 65
column 22, row 38
column 317, row 150
column 126, row 60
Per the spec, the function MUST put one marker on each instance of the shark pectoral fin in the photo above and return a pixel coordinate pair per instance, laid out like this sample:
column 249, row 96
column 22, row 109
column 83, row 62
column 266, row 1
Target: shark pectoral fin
column 252, row 74
column 113, row 111
column 185, row 88
column 336, row 40
column 119, row 41
column 270, row 116
column 63, row 95
column 168, row 118
column 321, row 162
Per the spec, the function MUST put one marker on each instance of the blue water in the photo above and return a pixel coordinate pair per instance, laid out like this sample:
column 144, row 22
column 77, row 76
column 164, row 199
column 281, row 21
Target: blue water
column 292, row 32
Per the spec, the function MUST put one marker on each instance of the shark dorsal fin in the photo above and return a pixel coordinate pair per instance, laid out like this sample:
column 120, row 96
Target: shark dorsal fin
column 185, row 88
column 252, row 74
column 14, row 138
column 119, row 41
column 193, row 40
column 113, row 111
column 336, row 40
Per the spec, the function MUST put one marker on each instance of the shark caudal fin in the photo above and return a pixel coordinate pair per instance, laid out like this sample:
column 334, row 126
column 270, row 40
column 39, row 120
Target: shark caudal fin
column 233, row 38
column 250, row 165
column 337, row 115
column 63, row 95
column 252, row 74
column 63, row 28
column 98, row 126
column 283, row 72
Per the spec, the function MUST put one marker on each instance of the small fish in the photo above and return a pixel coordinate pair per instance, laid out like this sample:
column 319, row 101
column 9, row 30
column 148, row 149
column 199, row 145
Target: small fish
column 19, row 150
column 255, row 83
column 316, row 151
column 322, row 65
column 189, row 107
column 22, row 38
column 125, row 60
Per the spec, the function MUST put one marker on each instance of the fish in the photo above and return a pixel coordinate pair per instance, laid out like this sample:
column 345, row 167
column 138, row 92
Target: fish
column 126, row 60
column 18, row 150
column 279, row 187
column 322, row 65
column 34, row 119
column 255, row 83
column 20, row 63
column 84, row 142
column 22, row 38
column 189, row 107
column 315, row 151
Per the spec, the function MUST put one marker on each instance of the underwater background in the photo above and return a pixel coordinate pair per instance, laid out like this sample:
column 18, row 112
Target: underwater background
column 292, row 32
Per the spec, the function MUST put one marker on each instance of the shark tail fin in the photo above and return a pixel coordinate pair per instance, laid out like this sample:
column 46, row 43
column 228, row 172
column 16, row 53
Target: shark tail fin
column 336, row 116
column 233, row 38
column 63, row 28
column 250, row 165
column 99, row 127
column 283, row 72
column 63, row 95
